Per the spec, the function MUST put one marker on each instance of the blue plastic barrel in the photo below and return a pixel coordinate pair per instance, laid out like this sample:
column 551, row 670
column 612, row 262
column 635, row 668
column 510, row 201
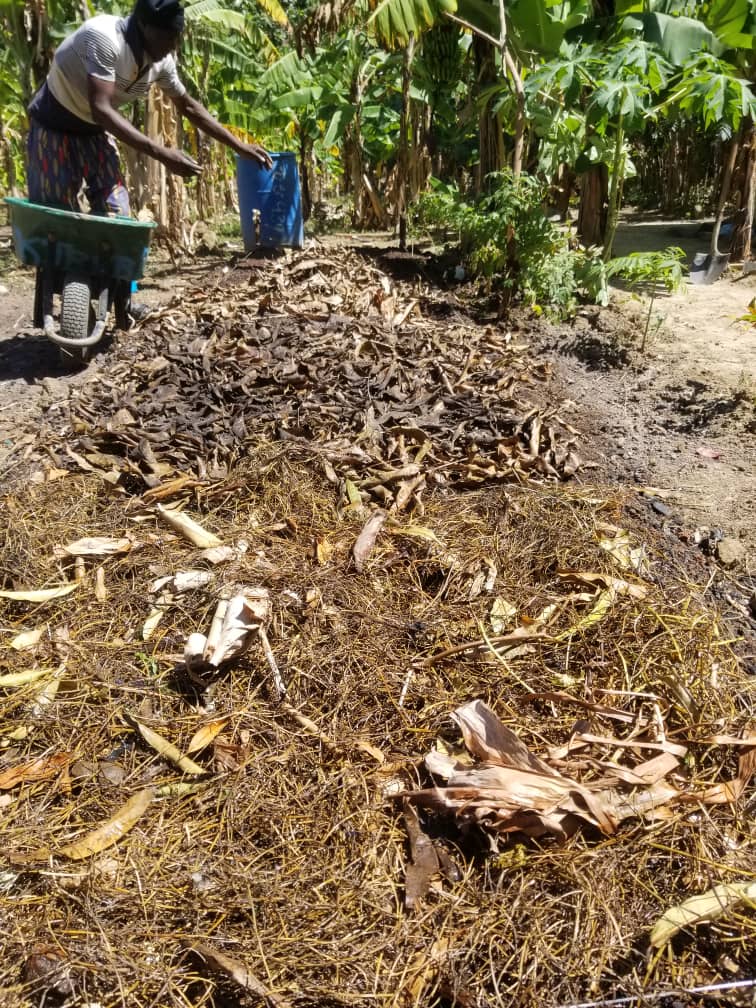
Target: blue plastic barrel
column 274, row 192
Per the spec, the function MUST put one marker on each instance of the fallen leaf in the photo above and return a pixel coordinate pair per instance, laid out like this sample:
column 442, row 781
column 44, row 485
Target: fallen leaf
column 487, row 739
column 510, row 790
column 219, row 554
column 604, row 599
column 213, row 637
column 730, row 791
column 415, row 532
column 150, row 625
column 206, row 733
column 52, row 474
column 628, row 557
column 366, row 540
column 244, row 614
column 708, row 453
column 101, row 592
column 702, row 909
column 13, row 679
column 422, row 970
column 596, row 579
column 502, row 613
column 323, row 551
column 48, row 970
column 167, row 749
column 28, row 639
column 353, row 494
column 188, row 528
column 40, row 594
column 228, row 757
column 42, row 768
column 424, row 865
column 183, row 581
column 194, row 652
column 369, row 750
column 235, row 971
column 96, row 546
column 110, row 832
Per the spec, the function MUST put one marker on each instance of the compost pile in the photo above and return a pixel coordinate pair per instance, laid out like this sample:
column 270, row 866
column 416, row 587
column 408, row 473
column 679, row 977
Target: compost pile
column 325, row 352
column 322, row 685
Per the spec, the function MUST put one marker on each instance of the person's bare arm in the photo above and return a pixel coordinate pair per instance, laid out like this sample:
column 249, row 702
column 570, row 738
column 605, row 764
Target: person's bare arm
column 105, row 115
column 198, row 116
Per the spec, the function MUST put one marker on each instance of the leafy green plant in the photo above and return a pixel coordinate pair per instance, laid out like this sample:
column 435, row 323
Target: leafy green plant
column 652, row 273
column 505, row 238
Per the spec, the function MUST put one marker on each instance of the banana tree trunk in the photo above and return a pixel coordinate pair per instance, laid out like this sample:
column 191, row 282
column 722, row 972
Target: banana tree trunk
column 750, row 204
column 491, row 154
column 594, row 196
column 405, row 142
column 615, row 190
column 741, row 241
column 8, row 164
column 353, row 155
column 510, row 69
column 305, row 146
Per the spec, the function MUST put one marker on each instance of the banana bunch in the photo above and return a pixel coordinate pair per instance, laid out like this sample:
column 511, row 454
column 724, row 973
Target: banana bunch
column 441, row 53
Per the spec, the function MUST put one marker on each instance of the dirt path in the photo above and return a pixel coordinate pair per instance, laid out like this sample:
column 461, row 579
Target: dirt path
column 680, row 416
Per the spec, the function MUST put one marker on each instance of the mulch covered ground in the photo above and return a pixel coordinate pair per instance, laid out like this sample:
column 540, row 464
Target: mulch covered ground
column 404, row 715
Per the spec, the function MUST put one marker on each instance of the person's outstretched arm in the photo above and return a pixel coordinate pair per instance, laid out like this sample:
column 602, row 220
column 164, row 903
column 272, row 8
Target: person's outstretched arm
column 105, row 115
column 198, row 116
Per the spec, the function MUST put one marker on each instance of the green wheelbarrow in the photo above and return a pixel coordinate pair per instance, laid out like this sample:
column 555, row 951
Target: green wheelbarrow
column 91, row 262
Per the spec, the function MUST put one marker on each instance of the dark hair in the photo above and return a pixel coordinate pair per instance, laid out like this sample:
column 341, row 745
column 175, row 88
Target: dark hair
column 165, row 14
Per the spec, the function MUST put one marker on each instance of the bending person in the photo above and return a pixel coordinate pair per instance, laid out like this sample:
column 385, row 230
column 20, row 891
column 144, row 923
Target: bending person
column 107, row 63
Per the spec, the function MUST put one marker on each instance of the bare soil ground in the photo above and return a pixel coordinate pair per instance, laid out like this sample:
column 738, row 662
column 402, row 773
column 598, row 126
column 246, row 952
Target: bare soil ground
column 681, row 415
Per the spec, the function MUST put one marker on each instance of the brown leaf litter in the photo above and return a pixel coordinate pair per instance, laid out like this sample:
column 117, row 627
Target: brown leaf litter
column 392, row 403
column 510, row 790
column 350, row 843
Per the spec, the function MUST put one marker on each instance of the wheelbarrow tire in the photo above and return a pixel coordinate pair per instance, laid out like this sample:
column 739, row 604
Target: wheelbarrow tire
column 76, row 316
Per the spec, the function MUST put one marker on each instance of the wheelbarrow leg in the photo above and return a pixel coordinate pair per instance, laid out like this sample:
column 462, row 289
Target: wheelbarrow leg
column 122, row 304
column 103, row 305
column 44, row 288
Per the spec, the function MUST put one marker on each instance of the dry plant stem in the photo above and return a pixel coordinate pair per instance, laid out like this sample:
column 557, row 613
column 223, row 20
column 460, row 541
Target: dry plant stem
column 279, row 686
column 309, row 726
column 406, row 686
column 641, row 999
column 514, row 640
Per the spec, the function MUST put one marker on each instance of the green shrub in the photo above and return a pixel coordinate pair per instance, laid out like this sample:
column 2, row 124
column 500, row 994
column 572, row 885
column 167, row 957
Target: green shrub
column 504, row 237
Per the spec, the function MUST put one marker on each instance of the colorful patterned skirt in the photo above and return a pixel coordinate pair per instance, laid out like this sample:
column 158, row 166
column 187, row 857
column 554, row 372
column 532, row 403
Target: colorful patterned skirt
column 61, row 164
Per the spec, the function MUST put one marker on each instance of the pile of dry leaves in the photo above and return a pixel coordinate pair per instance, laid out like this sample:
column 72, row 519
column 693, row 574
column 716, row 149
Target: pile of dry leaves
column 323, row 353
column 312, row 694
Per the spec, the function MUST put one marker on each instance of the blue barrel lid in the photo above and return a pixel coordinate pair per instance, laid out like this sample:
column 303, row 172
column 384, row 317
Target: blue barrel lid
column 274, row 155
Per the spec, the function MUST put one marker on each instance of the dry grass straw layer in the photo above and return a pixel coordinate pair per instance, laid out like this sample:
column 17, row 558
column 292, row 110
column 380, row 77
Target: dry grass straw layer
column 290, row 857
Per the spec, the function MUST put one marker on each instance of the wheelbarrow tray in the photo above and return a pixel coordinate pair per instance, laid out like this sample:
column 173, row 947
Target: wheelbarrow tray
column 79, row 243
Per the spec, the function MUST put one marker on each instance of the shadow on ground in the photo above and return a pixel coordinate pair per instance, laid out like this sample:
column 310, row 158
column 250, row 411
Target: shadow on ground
column 598, row 351
column 30, row 356
column 694, row 405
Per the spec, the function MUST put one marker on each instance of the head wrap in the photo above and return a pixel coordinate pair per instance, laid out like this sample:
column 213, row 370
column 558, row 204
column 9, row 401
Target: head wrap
column 165, row 14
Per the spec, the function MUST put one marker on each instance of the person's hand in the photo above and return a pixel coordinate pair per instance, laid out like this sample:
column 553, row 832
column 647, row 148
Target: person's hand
column 179, row 163
column 257, row 153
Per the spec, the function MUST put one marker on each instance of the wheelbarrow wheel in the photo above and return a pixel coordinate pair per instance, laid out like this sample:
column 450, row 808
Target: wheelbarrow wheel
column 76, row 316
